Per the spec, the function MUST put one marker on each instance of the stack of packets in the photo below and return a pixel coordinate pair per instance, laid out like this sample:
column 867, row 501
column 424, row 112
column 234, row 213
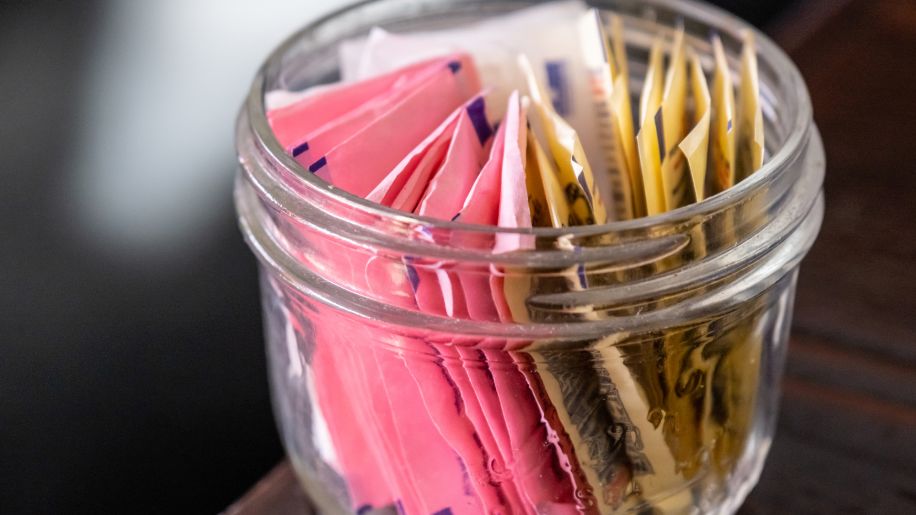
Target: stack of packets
column 486, row 125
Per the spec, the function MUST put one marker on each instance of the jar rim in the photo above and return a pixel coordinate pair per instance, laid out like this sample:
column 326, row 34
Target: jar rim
column 253, row 122
column 273, row 189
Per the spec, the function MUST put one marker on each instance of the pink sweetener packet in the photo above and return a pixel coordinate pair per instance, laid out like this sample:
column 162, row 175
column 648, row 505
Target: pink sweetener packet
column 439, row 293
column 422, row 425
column 444, row 197
column 414, row 467
column 384, row 405
column 455, row 147
column 437, row 289
column 414, row 418
column 498, row 197
column 538, row 465
column 469, row 288
column 534, row 467
column 402, row 187
column 434, row 423
column 434, row 472
column 451, row 184
column 513, row 201
column 465, row 152
column 294, row 123
column 331, row 421
column 451, row 155
column 432, row 430
column 481, row 206
column 435, row 450
column 403, row 466
column 380, row 277
column 324, row 351
column 377, row 430
column 451, row 406
column 362, row 459
column 359, row 162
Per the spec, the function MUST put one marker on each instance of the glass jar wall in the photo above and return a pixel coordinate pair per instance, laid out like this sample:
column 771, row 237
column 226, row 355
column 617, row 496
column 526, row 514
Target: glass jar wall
column 639, row 373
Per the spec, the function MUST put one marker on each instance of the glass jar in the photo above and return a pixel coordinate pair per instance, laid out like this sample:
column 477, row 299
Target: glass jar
column 638, row 372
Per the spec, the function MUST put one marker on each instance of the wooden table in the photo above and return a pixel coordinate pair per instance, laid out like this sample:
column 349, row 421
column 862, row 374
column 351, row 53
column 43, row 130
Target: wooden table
column 846, row 441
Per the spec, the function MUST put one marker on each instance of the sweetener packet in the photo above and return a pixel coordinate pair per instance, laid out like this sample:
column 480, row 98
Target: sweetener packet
column 356, row 150
column 737, row 372
column 674, row 173
column 296, row 117
column 449, row 157
column 499, row 196
column 722, row 131
column 439, row 291
column 649, row 137
column 468, row 429
column 445, row 195
column 388, row 387
column 403, row 187
column 619, row 180
column 695, row 146
column 574, row 172
column 352, row 448
column 750, row 136
column 622, row 113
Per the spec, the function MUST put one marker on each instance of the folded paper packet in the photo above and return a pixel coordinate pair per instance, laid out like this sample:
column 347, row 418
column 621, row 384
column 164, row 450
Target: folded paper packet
column 499, row 197
column 461, row 425
column 387, row 126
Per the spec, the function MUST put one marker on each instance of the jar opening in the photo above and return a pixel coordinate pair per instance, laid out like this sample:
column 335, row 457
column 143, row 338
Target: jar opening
column 690, row 261
column 787, row 108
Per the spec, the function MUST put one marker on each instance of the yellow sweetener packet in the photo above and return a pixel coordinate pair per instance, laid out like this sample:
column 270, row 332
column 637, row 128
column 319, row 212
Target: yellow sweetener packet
column 614, row 120
column 573, row 171
column 750, row 137
column 695, row 146
column 722, row 134
column 537, row 197
column 558, row 378
column 565, row 201
column 735, row 382
column 675, row 179
column 648, row 138
column 681, row 358
column 622, row 111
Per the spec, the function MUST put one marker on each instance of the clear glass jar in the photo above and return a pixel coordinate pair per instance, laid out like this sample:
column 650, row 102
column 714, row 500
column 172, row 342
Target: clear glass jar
column 644, row 373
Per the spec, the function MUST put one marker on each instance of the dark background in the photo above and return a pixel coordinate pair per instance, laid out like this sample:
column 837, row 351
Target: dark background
column 132, row 376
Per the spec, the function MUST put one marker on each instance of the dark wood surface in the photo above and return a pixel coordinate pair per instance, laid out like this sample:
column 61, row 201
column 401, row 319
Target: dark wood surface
column 846, row 441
